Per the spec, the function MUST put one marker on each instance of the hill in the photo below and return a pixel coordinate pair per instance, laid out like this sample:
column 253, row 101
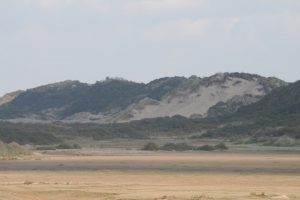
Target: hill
column 9, row 97
column 273, row 120
column 276, row 116
column 118, row 100
column 282, row 103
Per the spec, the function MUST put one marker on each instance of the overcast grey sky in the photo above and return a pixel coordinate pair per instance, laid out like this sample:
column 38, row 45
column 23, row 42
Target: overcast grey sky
column 45, row 41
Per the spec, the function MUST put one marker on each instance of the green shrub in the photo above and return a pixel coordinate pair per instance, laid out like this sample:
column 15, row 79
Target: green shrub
column 151, row 146
column 44, row 148
column 282, row 141
column 68, row 146
column 183, row 147
column 76, row 146
column 176, row 147
column 221, row 146
column 206, row 148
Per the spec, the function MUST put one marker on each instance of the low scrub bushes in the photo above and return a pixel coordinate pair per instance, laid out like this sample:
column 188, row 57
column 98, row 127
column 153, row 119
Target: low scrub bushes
column 151, row 146
column 183, row 147
column 68, row 146
column 283, row 141
column 59, row 146
column 12, row 150
column 221, row 146
column 44, row 148
column 206, row 148
column 176, row 147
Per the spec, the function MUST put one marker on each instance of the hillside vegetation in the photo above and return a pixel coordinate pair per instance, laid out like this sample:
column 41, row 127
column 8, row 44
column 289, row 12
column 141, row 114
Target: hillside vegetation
column 272, row 119
column 277, row 116
column 54, row 133
column 118, row 100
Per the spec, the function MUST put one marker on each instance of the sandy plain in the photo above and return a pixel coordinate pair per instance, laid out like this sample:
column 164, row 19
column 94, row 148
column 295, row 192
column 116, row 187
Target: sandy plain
column 149, row 176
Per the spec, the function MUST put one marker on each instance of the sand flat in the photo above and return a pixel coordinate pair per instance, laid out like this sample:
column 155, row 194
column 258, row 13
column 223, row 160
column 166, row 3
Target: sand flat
column 189, row 161
column 187, row 176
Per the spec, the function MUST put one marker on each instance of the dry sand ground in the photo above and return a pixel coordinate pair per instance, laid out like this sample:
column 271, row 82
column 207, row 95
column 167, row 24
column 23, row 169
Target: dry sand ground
column 193, row 176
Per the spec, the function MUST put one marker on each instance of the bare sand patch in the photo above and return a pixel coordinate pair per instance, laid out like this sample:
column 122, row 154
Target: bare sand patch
column 154, row 176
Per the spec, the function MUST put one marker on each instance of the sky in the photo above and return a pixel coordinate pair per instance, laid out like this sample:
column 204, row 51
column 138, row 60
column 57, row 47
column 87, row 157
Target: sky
column 46, row 41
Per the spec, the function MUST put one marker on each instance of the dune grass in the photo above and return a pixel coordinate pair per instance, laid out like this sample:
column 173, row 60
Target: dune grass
column 12, row 150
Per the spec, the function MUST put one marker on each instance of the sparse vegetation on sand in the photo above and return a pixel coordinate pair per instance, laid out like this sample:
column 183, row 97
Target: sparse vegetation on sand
column 63, row 145
column 150, row 146
column 181, row 184
column 68, row 146
column 12, row 150
column 183, row 147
